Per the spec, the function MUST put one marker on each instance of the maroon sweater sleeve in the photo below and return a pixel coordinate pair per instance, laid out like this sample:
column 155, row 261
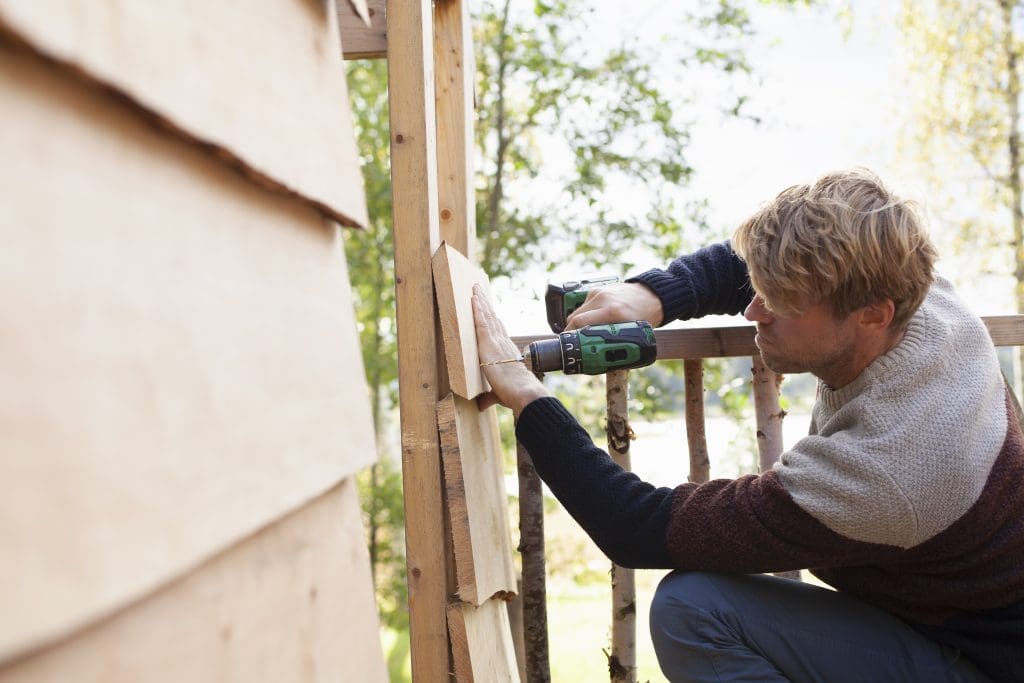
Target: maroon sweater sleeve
column 748, row 524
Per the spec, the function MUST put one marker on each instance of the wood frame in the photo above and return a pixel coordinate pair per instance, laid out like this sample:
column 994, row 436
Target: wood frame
column 425, row 43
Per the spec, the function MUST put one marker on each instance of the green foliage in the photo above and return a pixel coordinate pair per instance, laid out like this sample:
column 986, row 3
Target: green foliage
column 600, row 131
column 964, row 59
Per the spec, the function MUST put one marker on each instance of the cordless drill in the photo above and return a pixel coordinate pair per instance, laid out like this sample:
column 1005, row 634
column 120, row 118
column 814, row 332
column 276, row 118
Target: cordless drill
column 595, row 349
column 564, row 298
column 592, row 350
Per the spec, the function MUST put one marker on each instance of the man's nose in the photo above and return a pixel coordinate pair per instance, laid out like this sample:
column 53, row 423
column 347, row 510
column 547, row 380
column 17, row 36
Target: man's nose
column 756, row 312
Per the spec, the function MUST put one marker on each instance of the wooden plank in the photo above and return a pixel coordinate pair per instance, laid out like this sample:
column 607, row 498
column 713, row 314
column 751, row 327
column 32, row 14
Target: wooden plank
column 264, row 89
column 482, row 647
column 292, row 603
column 455, row 78
column 178, row 360
column 361, row 40
column 738, row 340
column 414, row 185
column 477, row 503
column 454, row 277
column 1005, row 330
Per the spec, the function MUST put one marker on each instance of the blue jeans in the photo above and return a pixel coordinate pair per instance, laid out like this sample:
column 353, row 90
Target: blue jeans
column 758, row 628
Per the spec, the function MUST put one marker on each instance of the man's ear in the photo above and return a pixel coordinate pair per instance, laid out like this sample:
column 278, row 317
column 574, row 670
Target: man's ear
column 877, row 317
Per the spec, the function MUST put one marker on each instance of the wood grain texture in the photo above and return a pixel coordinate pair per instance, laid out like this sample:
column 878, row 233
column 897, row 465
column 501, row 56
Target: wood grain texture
column 292, row 603
column 264, row 89
column 361, row 40
column 454, row 277
column 416, row 236
column 482, row 647
column 178, row 360
column 455, row 79
column 477, row 503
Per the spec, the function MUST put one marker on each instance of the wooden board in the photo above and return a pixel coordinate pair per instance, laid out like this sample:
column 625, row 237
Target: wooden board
column 292, row 603
column 454, row 277
column 482, row 647
column 178, row 357
column 477, row 504
column 416, row 235
column 264, row 88
column 455, row 80
column 361, row 40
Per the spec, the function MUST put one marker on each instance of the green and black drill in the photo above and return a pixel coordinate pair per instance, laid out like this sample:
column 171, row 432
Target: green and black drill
column 592, row 350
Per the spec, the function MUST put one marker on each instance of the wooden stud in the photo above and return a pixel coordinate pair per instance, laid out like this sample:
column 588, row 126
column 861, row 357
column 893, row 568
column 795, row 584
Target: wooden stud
column 416, row 236
column 455, row 79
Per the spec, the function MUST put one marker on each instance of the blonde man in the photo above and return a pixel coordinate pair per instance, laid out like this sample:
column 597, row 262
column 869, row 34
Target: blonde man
column 906, row 496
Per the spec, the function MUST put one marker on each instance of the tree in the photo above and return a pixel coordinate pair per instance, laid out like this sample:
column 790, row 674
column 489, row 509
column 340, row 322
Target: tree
column 965, row 61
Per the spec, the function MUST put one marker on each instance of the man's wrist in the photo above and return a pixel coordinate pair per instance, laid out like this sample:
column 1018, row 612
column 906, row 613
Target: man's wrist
column 525, row 398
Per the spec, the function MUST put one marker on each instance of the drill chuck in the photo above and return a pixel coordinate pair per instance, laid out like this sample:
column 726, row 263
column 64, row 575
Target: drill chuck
column 595, row 349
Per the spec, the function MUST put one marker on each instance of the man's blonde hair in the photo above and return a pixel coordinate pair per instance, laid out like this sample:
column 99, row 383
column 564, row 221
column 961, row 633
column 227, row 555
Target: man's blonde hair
column 845, row 241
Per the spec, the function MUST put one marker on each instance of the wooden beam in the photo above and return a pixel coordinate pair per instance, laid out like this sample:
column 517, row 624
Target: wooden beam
column 767, row 413
column 738, row 340
column 455, row 79
column 416, row 236
column 359, row 40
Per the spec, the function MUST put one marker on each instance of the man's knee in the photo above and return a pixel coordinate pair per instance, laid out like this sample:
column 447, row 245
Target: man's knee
column 681, row 603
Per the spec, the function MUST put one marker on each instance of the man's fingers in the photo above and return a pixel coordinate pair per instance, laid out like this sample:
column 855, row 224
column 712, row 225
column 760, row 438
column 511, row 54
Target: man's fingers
column 485, row 401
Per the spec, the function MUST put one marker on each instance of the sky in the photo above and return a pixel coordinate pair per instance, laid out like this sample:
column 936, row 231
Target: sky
column 829, row 98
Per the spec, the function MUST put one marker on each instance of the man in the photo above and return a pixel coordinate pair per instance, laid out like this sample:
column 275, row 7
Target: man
column 907, row 496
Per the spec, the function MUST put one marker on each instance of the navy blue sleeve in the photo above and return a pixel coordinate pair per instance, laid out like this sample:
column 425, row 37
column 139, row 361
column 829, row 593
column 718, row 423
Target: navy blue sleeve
column 712, row 280
column 627, row 518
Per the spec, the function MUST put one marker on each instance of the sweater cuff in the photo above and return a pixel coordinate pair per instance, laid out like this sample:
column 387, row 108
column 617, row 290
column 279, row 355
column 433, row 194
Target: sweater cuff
column 676, row 296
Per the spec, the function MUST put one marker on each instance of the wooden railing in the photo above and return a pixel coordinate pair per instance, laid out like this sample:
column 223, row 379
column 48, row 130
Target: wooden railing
column 692, row 346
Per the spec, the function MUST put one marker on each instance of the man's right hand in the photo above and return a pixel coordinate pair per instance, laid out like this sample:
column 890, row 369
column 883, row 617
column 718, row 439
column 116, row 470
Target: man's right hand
column 617, row 303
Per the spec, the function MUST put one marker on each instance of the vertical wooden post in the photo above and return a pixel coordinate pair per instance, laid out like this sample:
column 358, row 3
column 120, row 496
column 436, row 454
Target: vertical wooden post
column 622, row 660
column 768, row 416
column 455, row 77
column 416, row 237
column 531, row 546
column 696, row 432
column 768, row 413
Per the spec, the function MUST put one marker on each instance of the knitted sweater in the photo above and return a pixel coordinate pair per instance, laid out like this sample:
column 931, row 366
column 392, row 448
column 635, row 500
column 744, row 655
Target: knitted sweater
column 907, row 493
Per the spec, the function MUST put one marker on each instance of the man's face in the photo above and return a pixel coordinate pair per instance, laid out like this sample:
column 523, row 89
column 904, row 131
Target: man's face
column 813, row 341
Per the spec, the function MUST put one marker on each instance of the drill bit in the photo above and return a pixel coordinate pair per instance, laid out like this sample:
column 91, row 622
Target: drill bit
column 507, row 360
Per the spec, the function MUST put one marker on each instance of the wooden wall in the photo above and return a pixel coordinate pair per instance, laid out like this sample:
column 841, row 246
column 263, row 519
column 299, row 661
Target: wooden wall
column 182, row 398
